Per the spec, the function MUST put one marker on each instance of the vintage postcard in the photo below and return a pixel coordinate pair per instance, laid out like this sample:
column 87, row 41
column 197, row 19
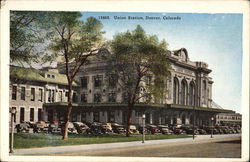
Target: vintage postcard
column 129, row 80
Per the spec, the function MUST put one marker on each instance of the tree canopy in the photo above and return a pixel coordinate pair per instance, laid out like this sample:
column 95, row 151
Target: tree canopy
column 26, row 36
column 139, row 61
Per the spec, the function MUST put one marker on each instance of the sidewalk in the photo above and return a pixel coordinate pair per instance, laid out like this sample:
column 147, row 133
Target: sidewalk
column 92, row 147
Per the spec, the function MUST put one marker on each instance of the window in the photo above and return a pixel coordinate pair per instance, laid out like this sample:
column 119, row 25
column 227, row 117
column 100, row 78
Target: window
column 22, row 93
column 204, row 92
column 191, row 94
column 98, row 81
column 14, row 92
column 53, row 95
column 32, row 94
column 125, row 97
column 84, row 97
column 66, row 94
column 97, row 97
column 22, row 114
column 111, row 116
column 53, row 76
column 74, row 116
column 112, row 81
column 39, row 114
column 31, row 114
column 83, row 117
column 40, row 94
column 74, row 97
column 176, row 91
column 49, row 95
column 84, row 82
column 96, row 116
column 60, row 96
column 112, row 97
column 48, row 75
column 183, row 92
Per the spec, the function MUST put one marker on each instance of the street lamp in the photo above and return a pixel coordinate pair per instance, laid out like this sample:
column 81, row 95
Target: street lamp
column 13, row 112
column 212, row 119
column 143, row 127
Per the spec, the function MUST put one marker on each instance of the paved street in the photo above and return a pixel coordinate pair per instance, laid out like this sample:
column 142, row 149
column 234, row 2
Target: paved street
column 227, row 146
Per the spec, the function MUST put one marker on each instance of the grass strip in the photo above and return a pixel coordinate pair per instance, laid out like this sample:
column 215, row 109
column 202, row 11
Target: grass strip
column 30, row 140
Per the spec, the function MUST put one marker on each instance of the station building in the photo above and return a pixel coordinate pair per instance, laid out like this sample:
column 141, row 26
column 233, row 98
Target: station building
column 42, row 95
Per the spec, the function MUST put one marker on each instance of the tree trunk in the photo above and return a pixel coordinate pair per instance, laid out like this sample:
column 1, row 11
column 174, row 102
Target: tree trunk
column 129, row 118
column 69, row 109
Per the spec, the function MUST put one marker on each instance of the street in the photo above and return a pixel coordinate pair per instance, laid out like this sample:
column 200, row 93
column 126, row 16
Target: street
column 220, row 146
column 228, row 148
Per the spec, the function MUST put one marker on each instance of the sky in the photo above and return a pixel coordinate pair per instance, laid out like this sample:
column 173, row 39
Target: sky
column 212, row 38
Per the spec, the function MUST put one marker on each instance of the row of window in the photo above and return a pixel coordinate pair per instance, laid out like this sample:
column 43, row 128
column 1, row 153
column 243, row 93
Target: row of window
column 23, row 94
column 98, row 81
column 98, row 97
column 31, row 113
column 228, row 117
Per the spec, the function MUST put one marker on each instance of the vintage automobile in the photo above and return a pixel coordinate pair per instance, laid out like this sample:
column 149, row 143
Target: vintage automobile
column 133, row 130
column 152, row 129
column 177, row 129
column 71, row 128
column 165, row 129
column 81, row 127
column 54, row 127
column 117, row 128
column 106, row 128
column 23, row 127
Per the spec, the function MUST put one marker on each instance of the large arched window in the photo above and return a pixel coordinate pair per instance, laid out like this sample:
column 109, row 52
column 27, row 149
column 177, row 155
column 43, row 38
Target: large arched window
column 183, row 92
column 176, row 91
column 204, row 90
column 191, row 93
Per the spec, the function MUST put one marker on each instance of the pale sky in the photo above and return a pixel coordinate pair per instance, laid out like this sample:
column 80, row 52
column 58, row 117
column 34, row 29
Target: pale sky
column 213, row 38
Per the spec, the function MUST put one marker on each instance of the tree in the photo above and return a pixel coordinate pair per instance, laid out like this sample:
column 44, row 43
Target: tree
column 139, row 62
column 76, row 41
column 25, row 36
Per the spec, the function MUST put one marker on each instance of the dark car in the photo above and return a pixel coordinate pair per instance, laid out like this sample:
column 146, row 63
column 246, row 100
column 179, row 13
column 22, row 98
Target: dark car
column 96, row 129
column 152, row 129
column 117, row 128
column 54, row 127
column 23, row 127
column 177, row 129
column 71, row 128
column 165, row 129
column 40, row 126
column 106, row 128
column 81, row 127
column 189, row 129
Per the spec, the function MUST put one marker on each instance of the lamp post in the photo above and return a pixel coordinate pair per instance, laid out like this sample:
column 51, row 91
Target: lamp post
column 143, row 127
column 212, row 119
column 13, row 112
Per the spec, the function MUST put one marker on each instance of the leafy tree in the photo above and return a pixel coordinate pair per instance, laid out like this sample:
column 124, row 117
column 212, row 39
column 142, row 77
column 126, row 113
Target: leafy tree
column 26, row 36
column 75, row 41
column 139, row 62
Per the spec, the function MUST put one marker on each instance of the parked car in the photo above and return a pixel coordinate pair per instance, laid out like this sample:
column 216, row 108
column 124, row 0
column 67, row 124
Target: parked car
column 117, row 128
column 71, row 128
column 189, row 129
column 23, row 127
column 40, row 126
column 54, row 127
column 81, row 127
column 152, row 129
column 164, row 129
column 133, row 130
column 178, row 130
column 106, row 128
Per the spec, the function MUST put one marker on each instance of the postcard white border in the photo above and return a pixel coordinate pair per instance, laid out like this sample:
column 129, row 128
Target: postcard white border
column 119, row 6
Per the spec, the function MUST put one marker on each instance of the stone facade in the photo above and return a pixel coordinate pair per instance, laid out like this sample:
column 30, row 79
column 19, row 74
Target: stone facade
column 96, row 99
